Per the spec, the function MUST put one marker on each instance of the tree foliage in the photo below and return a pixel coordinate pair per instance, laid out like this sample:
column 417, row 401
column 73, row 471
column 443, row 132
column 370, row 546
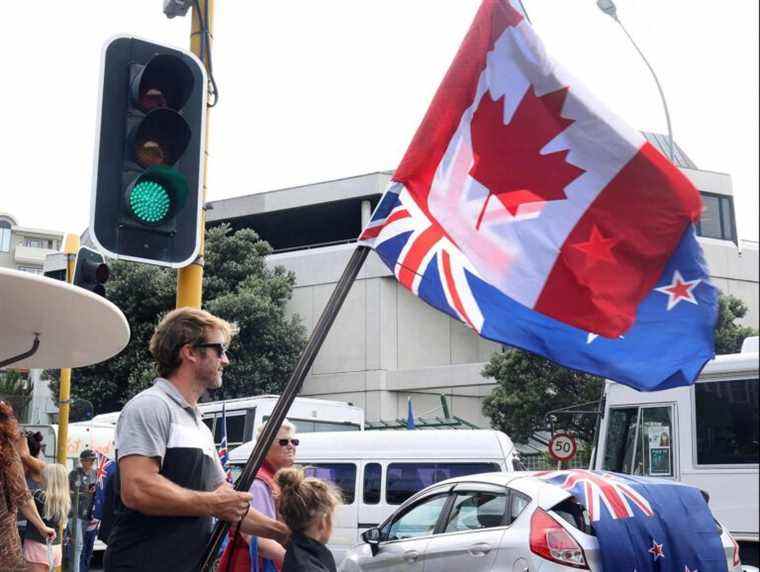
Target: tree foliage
column 529, row 386
column 729, row 335
column 237, row 286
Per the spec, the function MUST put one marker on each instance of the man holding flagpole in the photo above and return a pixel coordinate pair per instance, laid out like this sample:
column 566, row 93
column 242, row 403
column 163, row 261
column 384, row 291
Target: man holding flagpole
column 170, row 482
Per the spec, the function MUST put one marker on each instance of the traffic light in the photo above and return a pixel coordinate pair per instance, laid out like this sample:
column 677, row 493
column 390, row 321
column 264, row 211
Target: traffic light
column 146, row 203
column 91, row 271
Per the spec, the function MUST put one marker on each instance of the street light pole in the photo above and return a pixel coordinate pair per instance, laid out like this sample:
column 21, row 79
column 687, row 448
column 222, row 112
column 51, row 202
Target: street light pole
column 609, row 8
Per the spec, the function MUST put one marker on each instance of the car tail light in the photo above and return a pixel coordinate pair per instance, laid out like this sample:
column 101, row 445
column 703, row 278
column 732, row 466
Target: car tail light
column 736, row 560
column 550, row 540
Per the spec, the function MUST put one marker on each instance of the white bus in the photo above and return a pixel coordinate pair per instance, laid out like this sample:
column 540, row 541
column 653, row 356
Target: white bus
column 378, row 470
column 705, row 435
column 245, row 414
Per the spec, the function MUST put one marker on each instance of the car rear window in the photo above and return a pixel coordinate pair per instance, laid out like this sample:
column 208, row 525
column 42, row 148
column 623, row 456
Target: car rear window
column 405, row 479
column 574, row 514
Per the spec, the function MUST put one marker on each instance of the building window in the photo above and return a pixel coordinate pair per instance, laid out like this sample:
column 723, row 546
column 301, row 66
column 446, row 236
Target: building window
column 717, row 218
column 33, row 242
column 5, row 236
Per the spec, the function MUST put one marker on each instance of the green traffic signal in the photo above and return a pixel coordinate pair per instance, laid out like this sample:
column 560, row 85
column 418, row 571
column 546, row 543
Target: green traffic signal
column 149, row 202
column 156, row 195
column 147, row 195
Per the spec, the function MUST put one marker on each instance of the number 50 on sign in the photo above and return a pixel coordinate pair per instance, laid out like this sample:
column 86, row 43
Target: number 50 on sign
column 562, row 447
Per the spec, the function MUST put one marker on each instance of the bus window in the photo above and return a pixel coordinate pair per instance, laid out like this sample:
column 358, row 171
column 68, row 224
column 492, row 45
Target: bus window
column 342, row 475
column 727, row 422
column 621, row 439
column 235, row 429
column 405, row 479
column 372, row 479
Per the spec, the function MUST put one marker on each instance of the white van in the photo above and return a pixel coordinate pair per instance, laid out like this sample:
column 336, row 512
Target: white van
column 378, row 470
column 705, row 435
column 245, row 414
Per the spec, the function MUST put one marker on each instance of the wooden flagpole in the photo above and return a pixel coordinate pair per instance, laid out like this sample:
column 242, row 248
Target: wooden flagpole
column 292, row 389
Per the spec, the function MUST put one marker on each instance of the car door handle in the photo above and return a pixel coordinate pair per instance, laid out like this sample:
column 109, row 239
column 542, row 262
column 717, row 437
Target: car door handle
column 411, row 556
column 480, row 549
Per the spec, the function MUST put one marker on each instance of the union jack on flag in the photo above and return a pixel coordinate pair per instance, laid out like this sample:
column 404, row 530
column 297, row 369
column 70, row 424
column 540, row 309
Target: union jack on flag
column 103, row 465
column 404, row 235
column 595, row 489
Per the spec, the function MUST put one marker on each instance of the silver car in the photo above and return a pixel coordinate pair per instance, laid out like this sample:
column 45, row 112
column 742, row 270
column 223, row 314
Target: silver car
column 500, row 522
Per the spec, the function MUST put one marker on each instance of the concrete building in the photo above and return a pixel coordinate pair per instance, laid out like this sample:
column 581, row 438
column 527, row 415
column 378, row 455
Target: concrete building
column 25, row 248
column 386, row 344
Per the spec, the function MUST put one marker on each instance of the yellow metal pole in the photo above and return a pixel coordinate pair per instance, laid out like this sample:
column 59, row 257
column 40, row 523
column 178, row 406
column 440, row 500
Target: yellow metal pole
column 70, row 247
column 190, row 278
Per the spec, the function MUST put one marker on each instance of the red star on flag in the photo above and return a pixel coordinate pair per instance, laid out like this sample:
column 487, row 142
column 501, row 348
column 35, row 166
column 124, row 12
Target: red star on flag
column 597, row 247
column 679, row 289
column 656, row 550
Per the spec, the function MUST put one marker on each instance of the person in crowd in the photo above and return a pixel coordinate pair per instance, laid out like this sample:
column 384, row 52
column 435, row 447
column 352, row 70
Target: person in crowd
column 14, row 494
column 53, row 503
column 241, row 548
column 33, row 466
column 82, row 487
column 34, row 463
column 169, row 481
column 307, row 505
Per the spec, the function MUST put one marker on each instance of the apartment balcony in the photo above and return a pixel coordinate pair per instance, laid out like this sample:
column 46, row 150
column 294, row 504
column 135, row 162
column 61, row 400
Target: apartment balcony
column 31, row 254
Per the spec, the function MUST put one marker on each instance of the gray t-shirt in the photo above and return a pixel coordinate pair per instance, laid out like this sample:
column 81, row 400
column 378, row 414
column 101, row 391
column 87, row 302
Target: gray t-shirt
column 159, row 423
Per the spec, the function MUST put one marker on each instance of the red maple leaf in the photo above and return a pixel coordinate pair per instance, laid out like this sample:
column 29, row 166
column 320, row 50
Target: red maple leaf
column 507, row 157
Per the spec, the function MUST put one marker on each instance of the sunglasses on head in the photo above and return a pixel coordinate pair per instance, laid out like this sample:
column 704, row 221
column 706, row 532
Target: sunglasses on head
column 284, row 442
column 221, row 349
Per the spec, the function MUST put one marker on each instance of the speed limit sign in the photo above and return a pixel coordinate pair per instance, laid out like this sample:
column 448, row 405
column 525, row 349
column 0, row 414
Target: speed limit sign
column 562, row 447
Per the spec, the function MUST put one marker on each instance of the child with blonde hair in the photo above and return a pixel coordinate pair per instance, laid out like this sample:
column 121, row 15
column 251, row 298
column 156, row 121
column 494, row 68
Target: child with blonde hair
column 53, row 503
column 307, row 505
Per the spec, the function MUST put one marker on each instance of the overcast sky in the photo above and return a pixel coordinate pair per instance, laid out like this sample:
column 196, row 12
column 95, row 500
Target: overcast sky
column 313, row 90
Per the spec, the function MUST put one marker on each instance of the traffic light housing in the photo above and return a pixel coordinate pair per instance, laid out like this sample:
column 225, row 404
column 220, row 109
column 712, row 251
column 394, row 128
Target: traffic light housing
column 91, row 271
column 147, row 195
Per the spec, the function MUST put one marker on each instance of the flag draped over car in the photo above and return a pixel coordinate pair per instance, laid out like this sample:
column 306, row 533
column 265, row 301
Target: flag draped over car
column 646, row 524
column 527, row 210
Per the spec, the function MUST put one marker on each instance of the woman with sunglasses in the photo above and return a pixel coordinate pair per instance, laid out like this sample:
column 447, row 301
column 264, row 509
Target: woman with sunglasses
column 247, row 553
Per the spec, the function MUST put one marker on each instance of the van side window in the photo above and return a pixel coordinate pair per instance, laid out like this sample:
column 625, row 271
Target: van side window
column 727, row 419
column 405, row 479
column 342, row 475
column 372, row 479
